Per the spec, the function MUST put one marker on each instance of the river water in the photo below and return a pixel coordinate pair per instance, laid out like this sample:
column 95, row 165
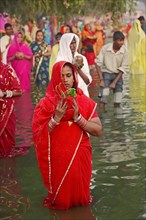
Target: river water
column 118, row 182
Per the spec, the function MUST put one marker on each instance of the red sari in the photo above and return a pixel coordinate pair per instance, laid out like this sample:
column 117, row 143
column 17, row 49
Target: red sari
column 8, row 81
column 64, row 155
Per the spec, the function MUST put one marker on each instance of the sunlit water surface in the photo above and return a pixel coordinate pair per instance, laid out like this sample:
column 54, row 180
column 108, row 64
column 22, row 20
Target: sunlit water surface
column 118, row 182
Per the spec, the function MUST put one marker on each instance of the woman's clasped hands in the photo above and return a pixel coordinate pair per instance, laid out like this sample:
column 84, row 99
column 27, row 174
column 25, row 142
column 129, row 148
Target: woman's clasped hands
column 61, row 109
column 19, row 55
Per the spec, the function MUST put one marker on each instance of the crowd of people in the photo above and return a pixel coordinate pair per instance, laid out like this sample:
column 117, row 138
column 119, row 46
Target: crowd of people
column 66, row 116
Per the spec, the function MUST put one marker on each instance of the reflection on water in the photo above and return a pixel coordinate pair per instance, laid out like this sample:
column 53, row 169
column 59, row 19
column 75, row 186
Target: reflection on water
column 77, row 213
column 137, row 93
column 37, row 92
column 13, row 203
column 24, row 112
column 118, row 182
column 119, row 166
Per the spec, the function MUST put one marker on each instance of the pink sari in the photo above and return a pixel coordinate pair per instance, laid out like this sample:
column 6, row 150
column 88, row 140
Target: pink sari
column 8, row 81
column 23, row 66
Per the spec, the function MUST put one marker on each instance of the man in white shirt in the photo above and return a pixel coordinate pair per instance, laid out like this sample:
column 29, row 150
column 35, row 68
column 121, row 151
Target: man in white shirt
column 112, row 62
column 68, row 47
column 5, row 41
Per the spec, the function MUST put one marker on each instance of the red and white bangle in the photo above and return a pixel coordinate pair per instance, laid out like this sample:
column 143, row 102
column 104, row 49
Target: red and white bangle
column 9, row 93
column 78, row 118
column 53, row 123
column 81, row 121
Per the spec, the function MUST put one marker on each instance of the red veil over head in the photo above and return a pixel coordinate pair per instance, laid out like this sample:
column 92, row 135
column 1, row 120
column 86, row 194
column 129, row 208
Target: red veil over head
column 53, row 91
column 64, row 155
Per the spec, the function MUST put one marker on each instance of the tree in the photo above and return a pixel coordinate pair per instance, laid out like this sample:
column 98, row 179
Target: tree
column 66, row 8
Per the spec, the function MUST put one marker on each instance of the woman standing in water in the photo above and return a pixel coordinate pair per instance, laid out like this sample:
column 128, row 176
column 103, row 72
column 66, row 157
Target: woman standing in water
column 20, row 57
column 135, row 37
column 62, row 122
column 9, row 90
column 41, row 51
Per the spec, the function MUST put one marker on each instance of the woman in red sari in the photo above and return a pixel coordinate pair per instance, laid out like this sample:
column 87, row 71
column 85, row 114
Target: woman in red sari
column 61, row 123
column 9, row 89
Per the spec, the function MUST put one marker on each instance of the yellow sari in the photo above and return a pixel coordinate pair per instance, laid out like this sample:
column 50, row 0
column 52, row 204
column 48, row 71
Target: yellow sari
column 141, row 56
column 135, row 36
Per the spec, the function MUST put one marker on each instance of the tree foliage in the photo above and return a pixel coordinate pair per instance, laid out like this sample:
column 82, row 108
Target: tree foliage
column 65, row 8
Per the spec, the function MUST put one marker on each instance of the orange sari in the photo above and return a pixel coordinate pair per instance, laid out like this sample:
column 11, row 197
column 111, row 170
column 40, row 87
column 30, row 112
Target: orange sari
column 99, row 42
column 88, row 36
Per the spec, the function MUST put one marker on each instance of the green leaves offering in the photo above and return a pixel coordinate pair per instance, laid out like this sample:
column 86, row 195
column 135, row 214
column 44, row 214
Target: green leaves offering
column 72, row 92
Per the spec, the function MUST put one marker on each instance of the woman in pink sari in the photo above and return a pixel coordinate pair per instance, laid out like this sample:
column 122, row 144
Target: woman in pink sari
column 20, row 57
column 62, row 122
column 9, row 89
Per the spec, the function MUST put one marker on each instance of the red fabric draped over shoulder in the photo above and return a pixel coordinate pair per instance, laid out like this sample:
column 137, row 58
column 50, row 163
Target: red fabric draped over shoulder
column 64, row 155
column 8, row 81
